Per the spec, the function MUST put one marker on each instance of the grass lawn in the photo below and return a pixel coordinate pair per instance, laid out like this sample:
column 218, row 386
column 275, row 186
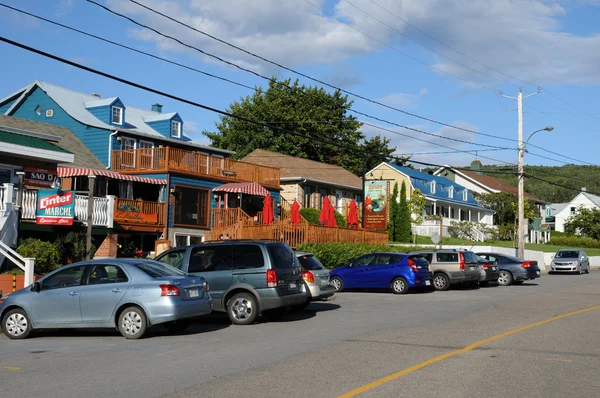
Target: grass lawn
column 425, row 240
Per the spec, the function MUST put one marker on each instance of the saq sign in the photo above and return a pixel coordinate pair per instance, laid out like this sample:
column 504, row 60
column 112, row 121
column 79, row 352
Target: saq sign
column 55, row 207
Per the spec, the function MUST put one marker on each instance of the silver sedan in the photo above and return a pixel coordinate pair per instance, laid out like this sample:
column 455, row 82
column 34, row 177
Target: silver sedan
column 131, row 295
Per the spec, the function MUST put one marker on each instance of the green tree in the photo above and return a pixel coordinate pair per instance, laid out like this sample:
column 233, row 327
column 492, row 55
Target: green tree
column 586, row 222
column 506, row 209
column 393, row 216
column 403, row 217
column 306, row 110
column 417, row 205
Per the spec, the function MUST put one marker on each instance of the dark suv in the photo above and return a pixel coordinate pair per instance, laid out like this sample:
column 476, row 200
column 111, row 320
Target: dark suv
column 246, row 278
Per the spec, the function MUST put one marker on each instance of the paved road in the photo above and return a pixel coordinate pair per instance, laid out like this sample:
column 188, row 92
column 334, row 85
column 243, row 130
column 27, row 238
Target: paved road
column 382, row 344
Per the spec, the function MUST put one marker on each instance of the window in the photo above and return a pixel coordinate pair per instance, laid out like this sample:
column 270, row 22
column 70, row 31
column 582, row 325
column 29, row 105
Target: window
column 432, row 186
column 211, row 258
column 451, row 192
column 428, row 256
column 191, row 206
column 364, row 260
column 38, row 110
column 67, row 277
column 175, row 128
column 49, row 113
column 247, row 257
column 573, row 210
column 100, row 274
column 187, row 239
column 146, row 144
column 127, row 143
column 158, row 270
column 447, row 257
column 173, row 258
column 282, row 255
column 386, row 259
column 310, row 263
column 117, row 115
column 465, row 195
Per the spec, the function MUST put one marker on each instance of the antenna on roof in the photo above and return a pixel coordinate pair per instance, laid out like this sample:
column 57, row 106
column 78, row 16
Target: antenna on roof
column 96, row 95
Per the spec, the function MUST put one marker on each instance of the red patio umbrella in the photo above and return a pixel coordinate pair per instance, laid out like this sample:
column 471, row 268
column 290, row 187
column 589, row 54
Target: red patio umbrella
column 331, row 221
column 296, row 217
column 324, row 216
column 352, row 214
column 268, row 215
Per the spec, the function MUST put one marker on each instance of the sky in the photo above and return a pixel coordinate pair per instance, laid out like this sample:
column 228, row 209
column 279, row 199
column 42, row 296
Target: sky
column 444, row 60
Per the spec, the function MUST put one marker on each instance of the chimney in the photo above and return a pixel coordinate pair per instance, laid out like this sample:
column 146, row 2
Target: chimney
column 583, row 189
column 157, row 108
column 476, row 166
column 98, row 96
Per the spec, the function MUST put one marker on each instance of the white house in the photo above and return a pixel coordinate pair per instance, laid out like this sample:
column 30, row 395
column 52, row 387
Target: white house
column 560, row 212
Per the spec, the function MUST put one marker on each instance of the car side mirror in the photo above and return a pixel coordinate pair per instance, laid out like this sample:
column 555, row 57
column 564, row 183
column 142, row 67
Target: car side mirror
column 36, row 287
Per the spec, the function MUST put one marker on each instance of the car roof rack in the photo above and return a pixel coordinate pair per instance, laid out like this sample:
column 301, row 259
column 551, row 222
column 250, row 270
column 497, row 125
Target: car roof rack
column 238, row 240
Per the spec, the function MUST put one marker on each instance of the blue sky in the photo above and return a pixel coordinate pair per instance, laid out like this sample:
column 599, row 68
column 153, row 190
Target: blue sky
column 552, row 44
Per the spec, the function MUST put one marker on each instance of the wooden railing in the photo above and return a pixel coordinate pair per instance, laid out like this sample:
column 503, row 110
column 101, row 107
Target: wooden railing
column 166, row 159
column 139, row 212
column 223, row 218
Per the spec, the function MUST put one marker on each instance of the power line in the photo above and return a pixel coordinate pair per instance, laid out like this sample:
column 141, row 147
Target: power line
column 202, row 106
column 561, row 185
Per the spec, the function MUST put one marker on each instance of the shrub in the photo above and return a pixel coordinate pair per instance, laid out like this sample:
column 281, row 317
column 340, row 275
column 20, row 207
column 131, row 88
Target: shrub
column 47, row 257
column 333, row 255
column 14, row 271
column 71, row 245
column 312, row 216
column 574, row 241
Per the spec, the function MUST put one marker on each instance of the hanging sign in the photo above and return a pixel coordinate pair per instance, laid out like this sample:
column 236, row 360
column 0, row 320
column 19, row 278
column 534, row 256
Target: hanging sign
column 55, row 207
column 376, row 204
column 39, row 177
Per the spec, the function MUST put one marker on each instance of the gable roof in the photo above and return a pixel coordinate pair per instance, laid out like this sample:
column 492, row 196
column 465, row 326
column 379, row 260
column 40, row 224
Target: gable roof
column 68, row 140
column 76, row 104
column 492, row 183
column 292, row 167
column 422, row 182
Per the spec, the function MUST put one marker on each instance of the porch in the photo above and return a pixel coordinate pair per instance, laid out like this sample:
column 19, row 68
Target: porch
column 167, row 159
column 448, row 213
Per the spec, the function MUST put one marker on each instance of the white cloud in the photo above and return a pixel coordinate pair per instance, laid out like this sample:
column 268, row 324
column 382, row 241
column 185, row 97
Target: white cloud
column 403, row 99
column 520, row 38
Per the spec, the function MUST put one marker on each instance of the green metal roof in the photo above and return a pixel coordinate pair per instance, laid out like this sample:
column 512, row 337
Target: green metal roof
column 28, row 141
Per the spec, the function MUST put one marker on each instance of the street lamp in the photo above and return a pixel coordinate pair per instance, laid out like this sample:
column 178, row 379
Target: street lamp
column 522, row 149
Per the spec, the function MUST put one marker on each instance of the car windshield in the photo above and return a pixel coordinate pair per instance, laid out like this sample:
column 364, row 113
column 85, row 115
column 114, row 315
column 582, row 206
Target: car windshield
column 157, row 270
column 567, row 254
column 310, row 263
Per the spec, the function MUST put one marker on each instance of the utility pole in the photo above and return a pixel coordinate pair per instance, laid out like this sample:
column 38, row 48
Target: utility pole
column 90, row 216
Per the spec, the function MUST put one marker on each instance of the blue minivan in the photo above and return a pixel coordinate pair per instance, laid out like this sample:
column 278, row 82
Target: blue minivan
column 395, row 271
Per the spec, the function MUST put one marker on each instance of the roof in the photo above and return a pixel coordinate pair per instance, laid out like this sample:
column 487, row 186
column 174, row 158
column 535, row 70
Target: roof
column 78, row 171
column 68, row 140
column 556, row 208
column 593, row 198
column 493, row 183
column 11, row 137
column 300, row 168
column 76, row 104
column 248, row 188
column 422, row 182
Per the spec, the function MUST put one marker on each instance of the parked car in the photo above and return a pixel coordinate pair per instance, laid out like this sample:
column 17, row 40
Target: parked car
column 489, row 271
column 513, row 270
column 452, row 267
column 316, row 278
column 570, row 260
column 246, row 277
column 131, row 295
column 395, row 271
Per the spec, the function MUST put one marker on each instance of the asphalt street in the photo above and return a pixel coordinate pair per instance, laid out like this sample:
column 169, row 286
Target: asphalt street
column 496, row 342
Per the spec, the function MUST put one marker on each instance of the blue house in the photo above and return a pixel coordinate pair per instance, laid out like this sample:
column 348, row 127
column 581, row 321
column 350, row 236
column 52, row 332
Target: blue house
column 151, row 145
column 444, row 198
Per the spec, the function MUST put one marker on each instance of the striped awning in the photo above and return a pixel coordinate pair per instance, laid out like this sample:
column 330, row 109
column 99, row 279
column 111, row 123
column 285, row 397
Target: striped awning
column 79, row 171
column 248, row 188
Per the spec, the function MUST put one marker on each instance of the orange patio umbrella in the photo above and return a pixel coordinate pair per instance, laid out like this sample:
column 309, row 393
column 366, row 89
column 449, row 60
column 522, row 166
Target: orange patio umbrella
column 268, row 215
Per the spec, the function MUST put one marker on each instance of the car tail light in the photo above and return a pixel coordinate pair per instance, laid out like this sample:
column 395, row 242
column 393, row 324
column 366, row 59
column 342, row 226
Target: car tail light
column 462, row 260
column 169, row 290
column 486, row 266
column 206, row 287
column 412, row 265
column 308, row 276
column 271, row 278
column 526, row 264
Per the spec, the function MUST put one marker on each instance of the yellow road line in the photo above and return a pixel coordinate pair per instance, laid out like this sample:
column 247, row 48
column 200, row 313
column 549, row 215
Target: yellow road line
column 13, row 368
column 431, row 361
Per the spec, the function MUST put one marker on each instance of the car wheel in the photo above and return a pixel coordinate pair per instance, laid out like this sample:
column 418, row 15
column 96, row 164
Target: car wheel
column 300, row 307
column 580, row 270
column 399, row 286
column 275, row 314
column 441, row 282
column 337, row 283
column 505, row 278
column 242, row 309
column 16, row 325
column 177, row 326
column 587, row 270
column 133, row 323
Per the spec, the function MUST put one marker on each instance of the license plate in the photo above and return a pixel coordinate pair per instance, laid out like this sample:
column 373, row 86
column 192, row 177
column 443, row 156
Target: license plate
column 193, row 292
column 427, row 283
column 472, row 268
column 293, row 286
column 537, row 272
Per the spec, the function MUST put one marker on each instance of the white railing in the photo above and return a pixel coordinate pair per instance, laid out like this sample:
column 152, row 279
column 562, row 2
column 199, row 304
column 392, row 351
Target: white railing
column 26, row 264
column 8, row 194
column 102, row 215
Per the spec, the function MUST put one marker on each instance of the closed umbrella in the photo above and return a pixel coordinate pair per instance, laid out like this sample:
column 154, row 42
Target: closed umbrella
column 268, row 216
column 331, row 221
column 296, row 217
column 352, row 214
column 325, row 212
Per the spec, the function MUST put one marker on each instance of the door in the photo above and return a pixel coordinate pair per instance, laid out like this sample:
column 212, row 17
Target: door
column 381, row 274
column 215, row 264
column 57, row 303
column 105, row 287
column 356, row 274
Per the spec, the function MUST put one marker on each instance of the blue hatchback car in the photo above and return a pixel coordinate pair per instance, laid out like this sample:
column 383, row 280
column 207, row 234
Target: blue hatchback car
column 396, row 271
